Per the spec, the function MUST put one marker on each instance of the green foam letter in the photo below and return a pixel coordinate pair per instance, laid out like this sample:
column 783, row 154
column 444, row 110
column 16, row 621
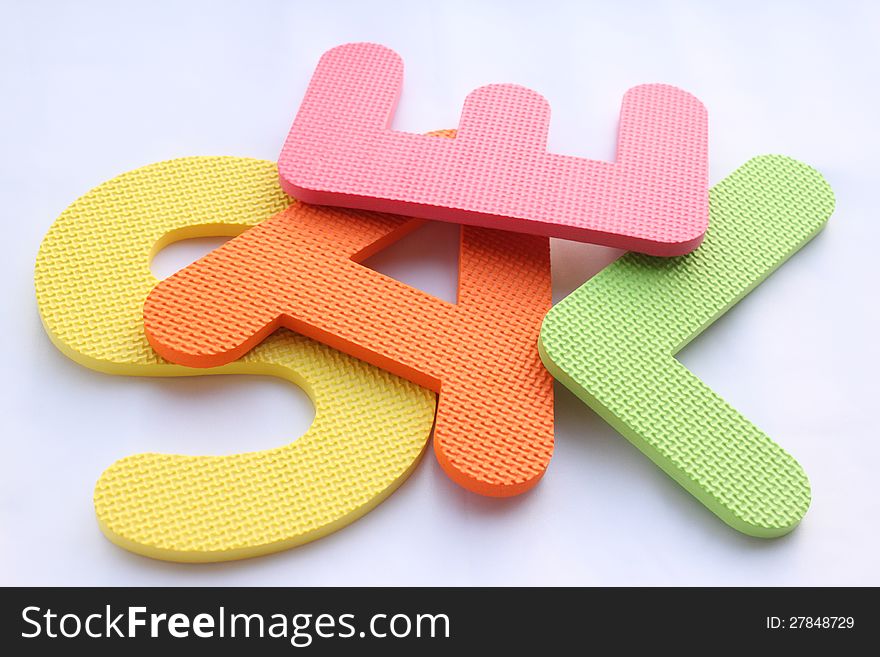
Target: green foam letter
column 613, row 343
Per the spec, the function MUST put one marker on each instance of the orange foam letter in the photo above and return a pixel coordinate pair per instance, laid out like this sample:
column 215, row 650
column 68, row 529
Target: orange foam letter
column 299, row 269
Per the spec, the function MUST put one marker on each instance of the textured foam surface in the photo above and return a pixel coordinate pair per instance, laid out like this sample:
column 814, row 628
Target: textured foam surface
column 92, row 276
column 299, row 269
column 498, row 173
column 612, row 342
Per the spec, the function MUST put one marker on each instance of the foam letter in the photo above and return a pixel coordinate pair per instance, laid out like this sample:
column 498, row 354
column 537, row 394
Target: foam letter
column 613, row 342
column 299, row 269
column 92, row 276
column 498, row 173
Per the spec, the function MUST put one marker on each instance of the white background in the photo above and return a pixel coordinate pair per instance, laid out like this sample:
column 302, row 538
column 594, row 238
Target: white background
column 90, row 90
